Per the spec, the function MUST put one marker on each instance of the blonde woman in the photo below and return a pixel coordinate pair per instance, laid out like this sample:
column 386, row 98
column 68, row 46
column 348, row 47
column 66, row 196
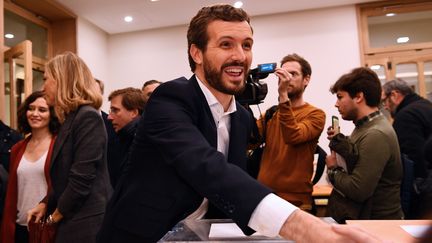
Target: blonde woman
column 29, row 166
column 78, row 172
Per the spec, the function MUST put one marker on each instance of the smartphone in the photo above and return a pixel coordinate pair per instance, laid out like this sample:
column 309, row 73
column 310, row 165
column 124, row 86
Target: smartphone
column 335, row 124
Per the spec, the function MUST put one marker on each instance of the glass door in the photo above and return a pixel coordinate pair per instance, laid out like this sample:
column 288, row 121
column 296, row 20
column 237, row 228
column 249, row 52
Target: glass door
column 18, row 79
column 415, row 71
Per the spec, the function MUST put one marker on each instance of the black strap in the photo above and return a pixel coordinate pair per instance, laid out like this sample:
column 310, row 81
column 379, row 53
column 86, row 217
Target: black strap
column 267, row 116
column 320, row 164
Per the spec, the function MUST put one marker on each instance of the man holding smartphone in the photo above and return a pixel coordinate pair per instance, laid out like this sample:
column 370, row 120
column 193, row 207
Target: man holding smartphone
column 292, row 136
column 371, row 190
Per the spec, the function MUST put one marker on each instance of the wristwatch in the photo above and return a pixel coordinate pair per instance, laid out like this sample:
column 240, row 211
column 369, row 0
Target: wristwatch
column 50, row 220
column 331, row 173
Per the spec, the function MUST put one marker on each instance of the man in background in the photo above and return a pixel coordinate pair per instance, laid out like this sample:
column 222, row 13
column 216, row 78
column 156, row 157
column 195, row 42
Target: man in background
column 412, row 121
column 149, row 87
column 291, row 136
column 125, row 111
column 372, row 189
column 108, row 125
column 8, row 137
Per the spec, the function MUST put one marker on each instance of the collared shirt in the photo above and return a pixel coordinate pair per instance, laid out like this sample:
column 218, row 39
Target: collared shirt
column 367, row 118
column 272, row 212
column 221, row 118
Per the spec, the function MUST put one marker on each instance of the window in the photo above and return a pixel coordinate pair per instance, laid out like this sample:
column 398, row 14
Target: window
column 396, row 41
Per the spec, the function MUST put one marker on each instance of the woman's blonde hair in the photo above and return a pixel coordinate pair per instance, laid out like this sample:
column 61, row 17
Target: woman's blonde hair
column 75, row 84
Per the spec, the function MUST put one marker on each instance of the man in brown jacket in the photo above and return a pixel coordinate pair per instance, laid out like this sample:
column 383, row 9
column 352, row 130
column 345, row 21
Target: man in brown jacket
column 292, row 136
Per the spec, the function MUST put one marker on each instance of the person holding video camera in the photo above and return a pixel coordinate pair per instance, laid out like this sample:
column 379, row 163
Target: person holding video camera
column 291, row 136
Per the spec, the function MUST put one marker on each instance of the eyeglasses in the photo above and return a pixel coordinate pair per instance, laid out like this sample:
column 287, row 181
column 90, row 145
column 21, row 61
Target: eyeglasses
column 113, row 110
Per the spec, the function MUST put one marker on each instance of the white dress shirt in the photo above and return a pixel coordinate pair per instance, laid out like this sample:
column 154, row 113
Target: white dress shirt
column 272, row 212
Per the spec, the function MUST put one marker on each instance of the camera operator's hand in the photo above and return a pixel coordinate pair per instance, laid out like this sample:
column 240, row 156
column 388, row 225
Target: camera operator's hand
column 284, row 82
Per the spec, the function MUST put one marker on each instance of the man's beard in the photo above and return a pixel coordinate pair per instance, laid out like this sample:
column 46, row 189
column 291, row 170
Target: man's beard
column 295, row 93
column 392, row 109
column 351, row 115
column 214, row 78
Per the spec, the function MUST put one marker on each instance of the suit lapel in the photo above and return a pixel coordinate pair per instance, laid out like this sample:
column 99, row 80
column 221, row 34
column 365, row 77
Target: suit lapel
column 207, row 127
column 236, row 153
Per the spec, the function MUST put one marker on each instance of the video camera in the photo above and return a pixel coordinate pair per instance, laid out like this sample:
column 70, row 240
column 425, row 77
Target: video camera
column 256, row 90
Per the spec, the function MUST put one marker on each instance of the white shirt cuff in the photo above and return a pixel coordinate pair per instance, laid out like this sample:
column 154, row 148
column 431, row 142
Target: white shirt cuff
column 270, row 215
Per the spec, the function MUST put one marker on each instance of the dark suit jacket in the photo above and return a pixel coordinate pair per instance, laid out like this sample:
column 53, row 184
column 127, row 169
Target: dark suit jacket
column 174, row 164
column 8, row 137
column 413, row 126
column 79, row 176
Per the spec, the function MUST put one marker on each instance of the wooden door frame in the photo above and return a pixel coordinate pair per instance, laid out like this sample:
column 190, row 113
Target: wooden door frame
column 23, row 49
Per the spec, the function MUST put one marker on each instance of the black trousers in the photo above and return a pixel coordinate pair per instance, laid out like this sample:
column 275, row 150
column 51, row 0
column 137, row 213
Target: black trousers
column 21, row 234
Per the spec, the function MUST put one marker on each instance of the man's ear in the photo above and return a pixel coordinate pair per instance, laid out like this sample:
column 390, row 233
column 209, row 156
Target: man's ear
column 359, row 97
column 396, row 97
column 196, row 54
column 306, row 80
column 135, row 112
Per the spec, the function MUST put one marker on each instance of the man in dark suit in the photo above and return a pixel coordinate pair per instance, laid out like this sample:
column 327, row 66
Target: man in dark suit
column 189, row 153
column 126, row 108
column 8, row 137
column 412, row 122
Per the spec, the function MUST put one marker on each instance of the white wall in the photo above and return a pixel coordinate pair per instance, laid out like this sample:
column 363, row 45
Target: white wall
column 93, row 49
column 136, row 57
column 327, row 38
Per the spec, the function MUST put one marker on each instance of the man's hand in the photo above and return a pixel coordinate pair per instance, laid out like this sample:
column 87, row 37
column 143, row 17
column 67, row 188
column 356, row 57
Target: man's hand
column 303, row 227
column 331, row 132
column 331, row 160
column 356, row 233
column 284, row 82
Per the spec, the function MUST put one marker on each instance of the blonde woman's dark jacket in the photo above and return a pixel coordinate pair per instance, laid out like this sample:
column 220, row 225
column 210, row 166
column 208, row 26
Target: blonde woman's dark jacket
column 79, row 176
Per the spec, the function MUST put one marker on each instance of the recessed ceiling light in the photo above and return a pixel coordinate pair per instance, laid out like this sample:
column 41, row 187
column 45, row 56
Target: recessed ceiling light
column 238, row 4
column 154, row 0
column 128, row 19
column 390, row 14
column 403, row 39
column 9, row 36
column 375, row 67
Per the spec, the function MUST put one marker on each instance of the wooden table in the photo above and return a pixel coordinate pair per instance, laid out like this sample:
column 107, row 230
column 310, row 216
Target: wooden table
column 321, row 191
column 390, row 230
column 320, row 195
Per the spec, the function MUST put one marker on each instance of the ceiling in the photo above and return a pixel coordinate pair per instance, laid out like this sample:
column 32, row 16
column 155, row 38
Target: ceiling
column 108, row 14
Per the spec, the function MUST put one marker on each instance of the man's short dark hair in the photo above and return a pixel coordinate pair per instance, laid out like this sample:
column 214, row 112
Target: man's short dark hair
column 24, row 126
column 360, row 80
column 305, row 66
column 101, row 85
column 132, row 98
column 150, row 82
column 197, row 32
column 399, row 85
